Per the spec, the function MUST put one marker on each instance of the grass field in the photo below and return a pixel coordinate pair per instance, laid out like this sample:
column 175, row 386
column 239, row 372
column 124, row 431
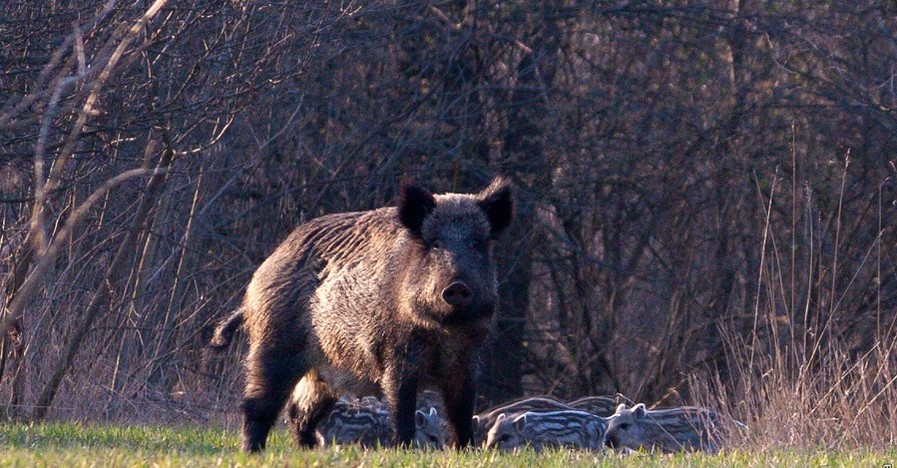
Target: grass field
column 59, row 444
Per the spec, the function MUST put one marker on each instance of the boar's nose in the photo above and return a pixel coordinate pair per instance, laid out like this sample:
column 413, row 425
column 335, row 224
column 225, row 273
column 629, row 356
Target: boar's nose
column 457, row 295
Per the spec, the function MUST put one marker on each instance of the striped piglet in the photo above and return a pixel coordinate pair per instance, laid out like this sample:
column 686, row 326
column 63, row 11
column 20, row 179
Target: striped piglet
column 544, row 429
column 485, row 420
column 685, row 428
column 369, row 426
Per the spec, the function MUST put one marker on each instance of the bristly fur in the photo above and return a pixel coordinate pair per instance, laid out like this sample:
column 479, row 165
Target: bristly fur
column 360, row 303
column 224, row 332
column 603, row 406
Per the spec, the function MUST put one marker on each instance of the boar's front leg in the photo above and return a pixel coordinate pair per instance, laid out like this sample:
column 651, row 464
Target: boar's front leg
column 400, row 391
column 459, row 393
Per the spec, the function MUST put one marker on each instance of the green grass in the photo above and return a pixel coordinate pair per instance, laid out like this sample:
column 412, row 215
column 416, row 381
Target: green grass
column 66, row 444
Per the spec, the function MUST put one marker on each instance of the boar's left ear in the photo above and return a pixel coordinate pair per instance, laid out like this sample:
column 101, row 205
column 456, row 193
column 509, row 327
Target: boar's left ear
column 415, row 204
column 497, row 200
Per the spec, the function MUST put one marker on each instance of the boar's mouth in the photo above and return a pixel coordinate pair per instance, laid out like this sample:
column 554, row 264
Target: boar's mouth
column 470, row 315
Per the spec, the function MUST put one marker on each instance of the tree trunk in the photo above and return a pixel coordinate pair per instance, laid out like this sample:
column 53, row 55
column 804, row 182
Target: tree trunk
column 524, row 157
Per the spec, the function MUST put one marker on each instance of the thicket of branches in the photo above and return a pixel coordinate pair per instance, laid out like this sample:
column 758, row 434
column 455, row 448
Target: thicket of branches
column 705, row 186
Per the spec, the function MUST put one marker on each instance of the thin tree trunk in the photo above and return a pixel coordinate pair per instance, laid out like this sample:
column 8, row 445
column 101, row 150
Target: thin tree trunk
column 165, row 344
column 48, row 393
column 525, row 155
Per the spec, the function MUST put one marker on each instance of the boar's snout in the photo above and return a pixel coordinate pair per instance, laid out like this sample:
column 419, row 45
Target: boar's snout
column 458, row 295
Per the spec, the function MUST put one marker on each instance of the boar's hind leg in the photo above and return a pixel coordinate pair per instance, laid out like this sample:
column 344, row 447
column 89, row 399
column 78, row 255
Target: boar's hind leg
column 271, row 374
column 311, row 401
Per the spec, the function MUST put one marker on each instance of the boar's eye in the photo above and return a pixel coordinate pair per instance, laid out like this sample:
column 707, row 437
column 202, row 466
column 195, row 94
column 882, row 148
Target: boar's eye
column 436, row 244
column 624, row 426
column 478, row 243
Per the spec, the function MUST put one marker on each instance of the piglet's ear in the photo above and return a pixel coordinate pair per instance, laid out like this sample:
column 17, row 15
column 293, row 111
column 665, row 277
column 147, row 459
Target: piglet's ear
column 639, row 411
column 520, row 422
column 415, row 204
column 420, row 419
column 497, row 201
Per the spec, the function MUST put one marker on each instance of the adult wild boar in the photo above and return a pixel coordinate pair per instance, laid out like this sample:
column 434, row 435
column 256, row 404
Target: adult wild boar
column 386, row 302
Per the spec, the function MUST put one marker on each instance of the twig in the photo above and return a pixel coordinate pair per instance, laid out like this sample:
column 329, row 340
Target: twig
column 48, row 393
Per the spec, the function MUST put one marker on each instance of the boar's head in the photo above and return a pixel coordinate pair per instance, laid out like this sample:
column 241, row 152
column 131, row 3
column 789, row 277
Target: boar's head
column 449, row 273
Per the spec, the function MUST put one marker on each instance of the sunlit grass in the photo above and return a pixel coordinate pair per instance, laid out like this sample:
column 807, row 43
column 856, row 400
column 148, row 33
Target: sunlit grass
column 65, row 444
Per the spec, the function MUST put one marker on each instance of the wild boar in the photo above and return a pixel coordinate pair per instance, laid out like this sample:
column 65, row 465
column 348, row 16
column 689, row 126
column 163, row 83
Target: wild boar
column 387, row 301
column 685, row 428
column 543, row 429
column 603, row 406
column 367, row 423
column 351, row 422
column 484, row 421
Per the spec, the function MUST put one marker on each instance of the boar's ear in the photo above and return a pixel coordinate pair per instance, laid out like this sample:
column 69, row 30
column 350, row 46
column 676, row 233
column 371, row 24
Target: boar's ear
column 497, row 200
column 639, row 411
column 415, row 204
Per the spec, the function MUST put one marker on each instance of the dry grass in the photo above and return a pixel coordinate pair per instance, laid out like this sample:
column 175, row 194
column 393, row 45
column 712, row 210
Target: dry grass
column 837, row 403
column 795, row 379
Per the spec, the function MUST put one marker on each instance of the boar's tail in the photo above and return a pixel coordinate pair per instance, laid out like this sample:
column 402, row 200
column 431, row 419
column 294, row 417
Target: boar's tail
column 224, row 332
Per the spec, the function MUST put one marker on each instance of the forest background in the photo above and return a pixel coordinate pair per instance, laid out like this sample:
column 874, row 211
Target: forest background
column 706, row 189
